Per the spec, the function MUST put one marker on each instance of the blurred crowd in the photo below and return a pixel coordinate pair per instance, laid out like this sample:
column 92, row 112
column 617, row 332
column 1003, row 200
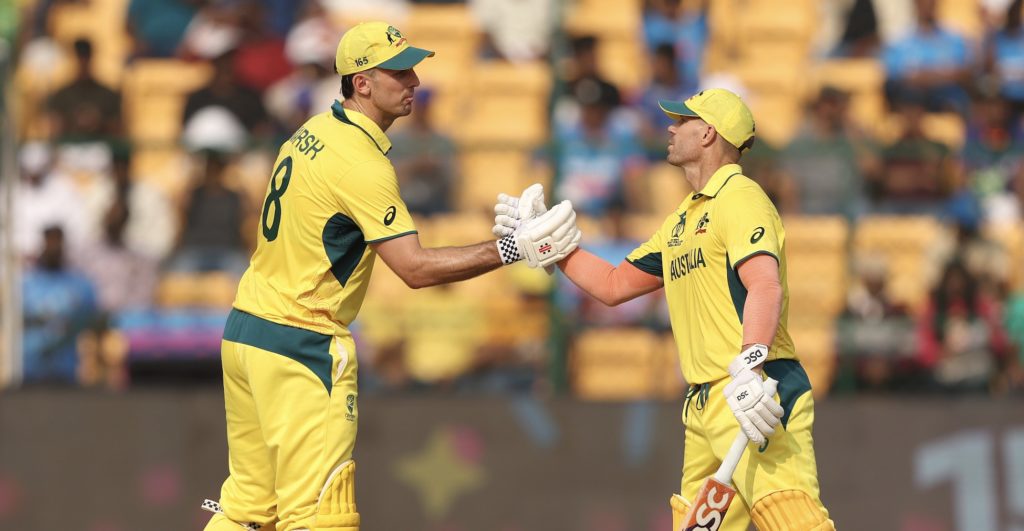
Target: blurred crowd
column 127, row 278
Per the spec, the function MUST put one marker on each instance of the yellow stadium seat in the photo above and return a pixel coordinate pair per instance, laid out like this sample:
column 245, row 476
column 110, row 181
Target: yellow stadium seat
column 488, row 172
column 816, row 262
column 603, row 17
column 624, row 61
column 615, row 364
column 502, row 77
column 863, row 80
column 666, row 187
column 487, row 122
column 155, row 92
column 963, row 16
column 450, row 20
column 196, row 290
column 906, row 244
column 815, row 346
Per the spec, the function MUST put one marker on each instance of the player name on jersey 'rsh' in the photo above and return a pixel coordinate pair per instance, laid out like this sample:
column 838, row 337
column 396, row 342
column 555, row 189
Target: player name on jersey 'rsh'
column 307, row 143
column 683, row 264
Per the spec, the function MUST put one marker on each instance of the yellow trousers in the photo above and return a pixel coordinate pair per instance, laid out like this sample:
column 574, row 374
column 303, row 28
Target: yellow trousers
column 290, row 400
column 784, row 464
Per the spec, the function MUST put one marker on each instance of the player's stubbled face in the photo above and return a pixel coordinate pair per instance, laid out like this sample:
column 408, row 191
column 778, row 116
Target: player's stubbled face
column 393, row 90
column 684, row 140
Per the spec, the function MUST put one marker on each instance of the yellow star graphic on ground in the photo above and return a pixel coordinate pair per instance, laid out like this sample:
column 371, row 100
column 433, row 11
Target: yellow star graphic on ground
column 439, row 474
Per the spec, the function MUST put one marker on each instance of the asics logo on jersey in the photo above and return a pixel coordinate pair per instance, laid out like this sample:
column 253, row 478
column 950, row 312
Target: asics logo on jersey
column 389, row 216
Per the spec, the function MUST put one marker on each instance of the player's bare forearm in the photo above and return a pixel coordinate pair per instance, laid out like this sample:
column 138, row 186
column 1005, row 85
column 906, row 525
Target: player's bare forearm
column 422, row 267
column 763, row 307
column 609, row 284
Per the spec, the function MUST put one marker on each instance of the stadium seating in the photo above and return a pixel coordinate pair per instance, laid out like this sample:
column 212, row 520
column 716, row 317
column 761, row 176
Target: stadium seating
column 617, row 364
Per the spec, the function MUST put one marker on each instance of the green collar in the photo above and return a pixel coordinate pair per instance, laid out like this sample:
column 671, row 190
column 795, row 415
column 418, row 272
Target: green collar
column 366, row 125
column 718, row 180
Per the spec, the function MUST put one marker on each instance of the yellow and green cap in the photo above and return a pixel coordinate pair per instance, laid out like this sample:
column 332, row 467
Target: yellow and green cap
column 724, row 110
column 376, row 44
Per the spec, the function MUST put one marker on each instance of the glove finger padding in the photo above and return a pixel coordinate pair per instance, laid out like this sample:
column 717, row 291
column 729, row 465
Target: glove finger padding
column 505, row 200
column 504, row 225
column 531, row 202
column 537, row 239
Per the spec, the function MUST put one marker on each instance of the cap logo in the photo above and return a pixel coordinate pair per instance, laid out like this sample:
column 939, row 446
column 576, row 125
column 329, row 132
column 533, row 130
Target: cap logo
column 394, row 36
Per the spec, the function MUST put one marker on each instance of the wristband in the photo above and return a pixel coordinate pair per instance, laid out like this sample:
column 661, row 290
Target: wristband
column 749, row 359
column 508, row 250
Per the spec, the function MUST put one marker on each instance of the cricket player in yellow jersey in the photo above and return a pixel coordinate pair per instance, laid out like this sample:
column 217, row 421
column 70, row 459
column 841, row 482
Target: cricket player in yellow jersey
column 721, row 259
column 289, row 361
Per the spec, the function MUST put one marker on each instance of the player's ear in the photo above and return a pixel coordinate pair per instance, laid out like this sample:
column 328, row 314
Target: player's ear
column 362, row 82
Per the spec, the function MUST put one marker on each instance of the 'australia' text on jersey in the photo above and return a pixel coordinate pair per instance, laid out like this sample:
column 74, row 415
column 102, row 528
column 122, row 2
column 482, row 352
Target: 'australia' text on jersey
column 683, row 264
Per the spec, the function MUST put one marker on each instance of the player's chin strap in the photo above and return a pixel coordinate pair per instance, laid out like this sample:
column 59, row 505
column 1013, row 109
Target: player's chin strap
column 214, row 507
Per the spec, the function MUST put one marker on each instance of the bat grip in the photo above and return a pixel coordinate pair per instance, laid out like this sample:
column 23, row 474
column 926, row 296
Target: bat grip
column 728, row 466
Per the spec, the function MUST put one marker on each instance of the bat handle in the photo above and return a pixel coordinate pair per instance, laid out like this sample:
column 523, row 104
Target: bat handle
column 728, row 466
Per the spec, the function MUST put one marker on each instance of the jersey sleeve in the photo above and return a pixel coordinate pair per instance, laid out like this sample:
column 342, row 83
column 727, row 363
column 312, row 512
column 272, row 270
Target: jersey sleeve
column 369, row 195
column 647, row 257
column 752, row 226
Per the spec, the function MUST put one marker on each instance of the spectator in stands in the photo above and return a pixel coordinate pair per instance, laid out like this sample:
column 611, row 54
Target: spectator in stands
column 860, row 31
column 312, row 87
column 599, row 159
column 260, row 59
column 124, row 279
column 1014, row 321
column 667, row 22
column 47, row 197
column 85, row 109
column 225, row 91
column 211, row 237
column 157, row 26
column 931, row 65
column 610, row 243
column 993, row 154
column 514, row 30
column 1004, row 57
column 213, row 31
column 961, row 334
column 666, row 84
column 57, row 304
column 425, row 161
column 917, row 175
column 583, row 68
column 875, row 334
column 827, row 158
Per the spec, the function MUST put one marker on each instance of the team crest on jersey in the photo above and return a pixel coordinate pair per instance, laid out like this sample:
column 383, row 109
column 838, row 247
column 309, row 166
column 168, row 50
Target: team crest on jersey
column 350, row 403
column 394, row 36
column 702, row 225
column 677, row 232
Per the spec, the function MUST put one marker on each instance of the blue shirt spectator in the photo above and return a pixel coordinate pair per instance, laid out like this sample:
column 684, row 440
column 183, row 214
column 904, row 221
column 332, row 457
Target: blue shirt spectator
column 665, row 23
column 159, row 25
column 929, row 65
column 58, row 304
column 596, row 155
column 1006, row 51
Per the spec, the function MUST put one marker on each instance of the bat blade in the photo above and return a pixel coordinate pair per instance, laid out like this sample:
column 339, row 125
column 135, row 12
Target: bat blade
column 709, row 506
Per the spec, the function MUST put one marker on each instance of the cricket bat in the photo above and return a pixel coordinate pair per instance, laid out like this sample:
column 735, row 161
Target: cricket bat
column 715, row 495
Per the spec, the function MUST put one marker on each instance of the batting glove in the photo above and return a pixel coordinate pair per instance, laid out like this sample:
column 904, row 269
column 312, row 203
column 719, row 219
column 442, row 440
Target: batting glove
column 752, row 399
column 511, row 212
column 544, row 240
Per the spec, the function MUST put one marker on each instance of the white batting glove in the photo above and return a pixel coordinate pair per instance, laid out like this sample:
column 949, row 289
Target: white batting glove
column 752, row 399
column 544, row 240
column 511, row 212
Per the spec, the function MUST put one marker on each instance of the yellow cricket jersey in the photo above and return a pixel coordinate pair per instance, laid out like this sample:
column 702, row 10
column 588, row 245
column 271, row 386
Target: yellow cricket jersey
column 332, row 193
column 697, row 251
